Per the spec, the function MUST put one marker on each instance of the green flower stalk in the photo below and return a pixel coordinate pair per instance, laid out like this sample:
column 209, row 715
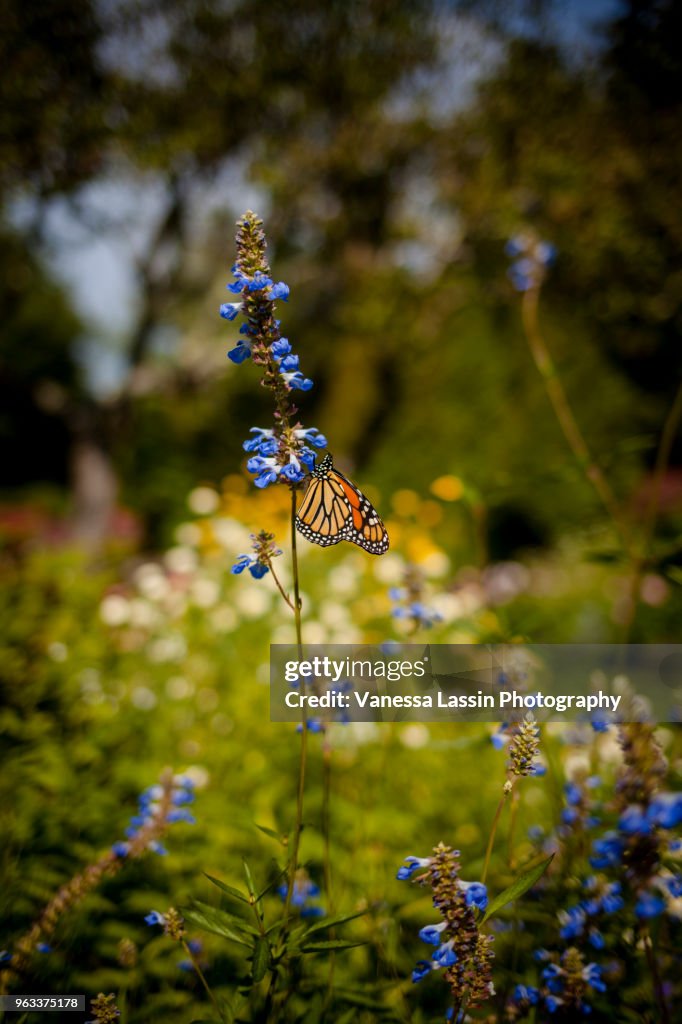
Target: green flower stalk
column 523, row 749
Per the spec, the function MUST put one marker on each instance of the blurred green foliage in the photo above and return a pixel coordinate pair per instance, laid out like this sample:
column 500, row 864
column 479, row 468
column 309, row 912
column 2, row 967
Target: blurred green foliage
column 390, row 187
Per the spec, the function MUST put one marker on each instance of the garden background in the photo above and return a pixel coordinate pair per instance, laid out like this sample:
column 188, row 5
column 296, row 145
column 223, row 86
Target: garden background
column 393, row 149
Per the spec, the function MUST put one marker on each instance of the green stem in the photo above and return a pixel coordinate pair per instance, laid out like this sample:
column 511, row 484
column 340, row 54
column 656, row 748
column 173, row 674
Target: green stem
column 279, row 586
column 670, row 428
column 326, row 837
column 293, row 861
column 491, row 837
column 200, row 975
column 512, row 825
column 567, row 421
column 659, row 995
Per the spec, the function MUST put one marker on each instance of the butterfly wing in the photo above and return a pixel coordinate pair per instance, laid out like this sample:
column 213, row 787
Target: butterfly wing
column 363, row 525
column 324, row 512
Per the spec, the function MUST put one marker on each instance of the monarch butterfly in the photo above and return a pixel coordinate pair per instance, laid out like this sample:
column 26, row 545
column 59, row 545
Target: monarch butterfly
column 333, row 509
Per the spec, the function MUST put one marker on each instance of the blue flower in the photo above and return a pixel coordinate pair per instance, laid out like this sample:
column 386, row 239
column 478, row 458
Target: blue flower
column 314, row 725
column 596, row 939
column 649, row 904
column 573, row 922
column 445, row 955
column 240, row 353
column 154, row 917
column 476, row 894
column 256, row 568
column 611, row 900
column 599, row 723
column 279, row 291
column 293, row 471
column 120, row 849
column 230, row 310
column 289, row 363
column 421, row 969
column 526, row 994
column 280, row 348
column 258, row 282
column 418, row 612
column 665, row 810
column 5, row 956
column 304, row 891
column 431, row 933
column 413, row 865
column 608, row 851
column 573, row 794
column 180, row 814
column 311, row 435
column 633, row 821
column 592, row 976
column 296, row 381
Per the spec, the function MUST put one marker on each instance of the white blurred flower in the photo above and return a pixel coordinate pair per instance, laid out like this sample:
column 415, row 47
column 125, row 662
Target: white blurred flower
column 114, row 610
column 252, row 601
column 89, row 680
column 198, row 775
column 179, row 688
column 167, row 648
column 346, row 635
column 58, row 651
column 577, row 764
column 224, row 619
column 188, row 534
column 315, row 633
column 415, row 736
column 151, row 580
column 205, row 592
column 333, row 614
column 231, row 534
column 342, row 580
column 389, row 568
column 284, row 634
column 361, row 732
column 143, row 698
column 435, row 565
column 181, row 559
column 143, row 614
column 504, row 581
column 203, row 501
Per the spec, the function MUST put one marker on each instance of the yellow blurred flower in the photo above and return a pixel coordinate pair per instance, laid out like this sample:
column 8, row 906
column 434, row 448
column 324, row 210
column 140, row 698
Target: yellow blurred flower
column 447, row 488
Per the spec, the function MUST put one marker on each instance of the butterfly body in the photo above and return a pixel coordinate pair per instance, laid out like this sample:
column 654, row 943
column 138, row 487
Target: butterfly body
column 333, row 509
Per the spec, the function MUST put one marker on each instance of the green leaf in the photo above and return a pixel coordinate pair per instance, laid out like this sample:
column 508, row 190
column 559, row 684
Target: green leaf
column 229, row 889
column 328, row 922
column 218, row 922
column 522, row 884
column 249, row 879
column 271, row 833
column 261, row 959
column 326, row 946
